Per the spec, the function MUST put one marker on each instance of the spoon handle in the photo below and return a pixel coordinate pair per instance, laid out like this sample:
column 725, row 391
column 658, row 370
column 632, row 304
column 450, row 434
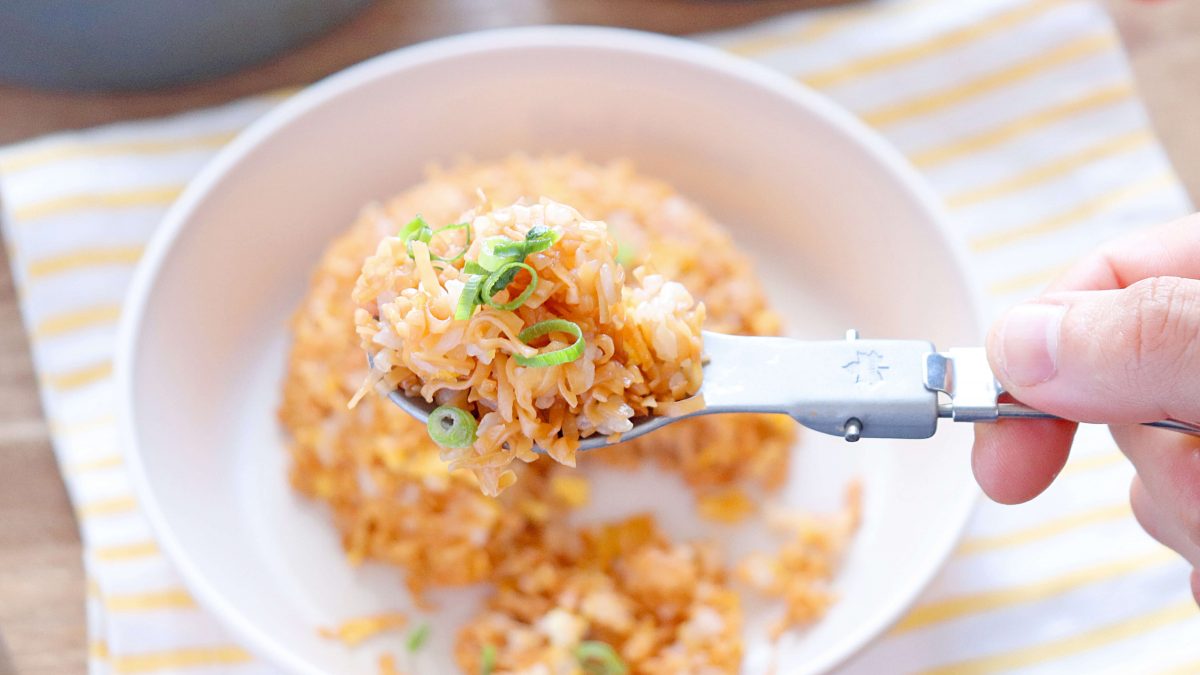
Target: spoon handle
column 964, row 375
column 859, row 388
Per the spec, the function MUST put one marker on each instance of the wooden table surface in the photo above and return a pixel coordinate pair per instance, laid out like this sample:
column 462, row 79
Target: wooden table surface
column 41, row 576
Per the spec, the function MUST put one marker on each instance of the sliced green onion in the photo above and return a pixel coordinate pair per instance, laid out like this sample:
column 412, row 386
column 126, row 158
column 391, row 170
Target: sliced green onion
column 450, row 228
column 472, row 267
column 423, row 233
column 540, row 238
column 513, row 250
column 495, row 251
column 539, row 232
column 599, row 658
column 504, row 276
column 418, row 637
column 558, row 356
column 451, row 427
column 498, row 250
column 501, row 278
column 469, row 298
column 412, row 228
column 487, row 660
column 509, row 249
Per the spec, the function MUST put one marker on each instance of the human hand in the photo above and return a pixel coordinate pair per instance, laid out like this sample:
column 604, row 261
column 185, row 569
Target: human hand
column 1115, row 340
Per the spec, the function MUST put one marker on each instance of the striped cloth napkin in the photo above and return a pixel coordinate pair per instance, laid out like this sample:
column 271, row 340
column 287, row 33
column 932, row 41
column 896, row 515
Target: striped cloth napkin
column 1020, row 112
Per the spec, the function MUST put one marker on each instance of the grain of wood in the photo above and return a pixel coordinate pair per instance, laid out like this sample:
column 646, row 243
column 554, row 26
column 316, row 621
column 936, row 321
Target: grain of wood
column 41, row 573
column 41, row 577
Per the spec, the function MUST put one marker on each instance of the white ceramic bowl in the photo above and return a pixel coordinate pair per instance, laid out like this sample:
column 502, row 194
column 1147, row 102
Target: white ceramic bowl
column 844, row 232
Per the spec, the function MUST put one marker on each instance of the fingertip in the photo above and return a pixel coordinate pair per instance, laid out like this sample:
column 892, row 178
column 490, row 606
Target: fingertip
column 991, row 345
column 1145, row 512
column 1162, row 526
column 1016, row 460
column 1168, row 471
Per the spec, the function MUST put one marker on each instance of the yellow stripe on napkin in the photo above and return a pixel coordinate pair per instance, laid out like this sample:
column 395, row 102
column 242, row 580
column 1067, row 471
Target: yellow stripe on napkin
column 1100, row 461
column 74, row 320
column 1080, row 212
column 1045, row 529
column 929, row 104
column 1029, row 280
column 79, row 377
column 120, row 552
column 175, row 598
column 1010, row 131
column 82, row 259
column 952, row 608
column 106, row 507
column 193, row 657
column 74, row 151
column 81, row 426
column 1075, row 644
column 931, row 47
column 93, row 201
column 98, row 464
column 1054, row 169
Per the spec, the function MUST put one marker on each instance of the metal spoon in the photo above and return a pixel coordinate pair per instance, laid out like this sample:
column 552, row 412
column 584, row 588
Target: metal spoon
column 853, row 388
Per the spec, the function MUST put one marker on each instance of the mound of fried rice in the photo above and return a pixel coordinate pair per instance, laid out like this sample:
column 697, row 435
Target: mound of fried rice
column 641, row 336
column 665, row 607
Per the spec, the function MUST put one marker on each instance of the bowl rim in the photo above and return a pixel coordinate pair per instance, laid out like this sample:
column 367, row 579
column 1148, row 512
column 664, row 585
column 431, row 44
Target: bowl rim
column 652, row 45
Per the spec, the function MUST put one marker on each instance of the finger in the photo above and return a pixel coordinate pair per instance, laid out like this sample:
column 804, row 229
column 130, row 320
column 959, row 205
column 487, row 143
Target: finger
column 1196, row 585
column 1119, row 357
column 1168, row 465
column 1171, row 250
column 1159, row 524
column 1016, row 460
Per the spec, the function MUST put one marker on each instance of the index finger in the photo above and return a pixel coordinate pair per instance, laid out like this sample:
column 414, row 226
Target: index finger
column 1170, row 250
column 1016, row 460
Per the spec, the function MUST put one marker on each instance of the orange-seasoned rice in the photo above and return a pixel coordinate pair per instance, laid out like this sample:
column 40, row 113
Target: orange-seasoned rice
column 666, row 607
column 639, row 334
column 800, row 571
column 359, row 629
column 387, row 665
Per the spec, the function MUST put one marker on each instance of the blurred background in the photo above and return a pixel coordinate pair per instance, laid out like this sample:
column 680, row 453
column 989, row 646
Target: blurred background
column 68, row 64
column 290, row 43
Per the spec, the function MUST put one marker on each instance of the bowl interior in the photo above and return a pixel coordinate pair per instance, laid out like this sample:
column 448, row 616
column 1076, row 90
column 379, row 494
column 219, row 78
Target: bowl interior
column 841, row 234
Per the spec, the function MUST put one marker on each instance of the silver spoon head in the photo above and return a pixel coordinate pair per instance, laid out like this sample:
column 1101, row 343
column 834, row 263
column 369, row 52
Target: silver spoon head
column 420, row 410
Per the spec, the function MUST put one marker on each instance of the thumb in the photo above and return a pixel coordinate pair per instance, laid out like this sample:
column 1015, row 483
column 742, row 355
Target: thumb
column 1123, row 356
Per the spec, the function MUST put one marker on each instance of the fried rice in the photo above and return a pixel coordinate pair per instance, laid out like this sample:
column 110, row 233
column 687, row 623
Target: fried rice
column 451, row 329
column 663, row 606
